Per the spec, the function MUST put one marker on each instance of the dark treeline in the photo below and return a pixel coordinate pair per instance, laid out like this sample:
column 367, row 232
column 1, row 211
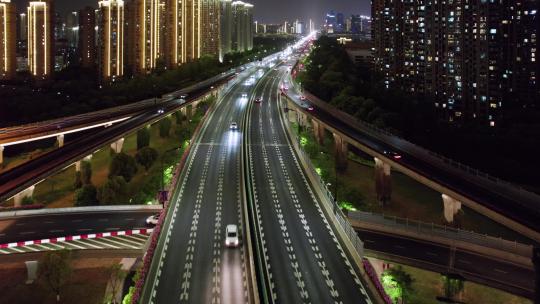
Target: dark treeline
column 509, row 151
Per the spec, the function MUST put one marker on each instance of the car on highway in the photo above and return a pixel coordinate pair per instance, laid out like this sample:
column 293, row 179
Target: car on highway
column 152, row 220
column 244, row 95
column 233, row 126
column 258, row 100
column 392, row 154
column 310, row 108
column 160, row 111
column 302, row 97
column 183, row 96
column 231, row 236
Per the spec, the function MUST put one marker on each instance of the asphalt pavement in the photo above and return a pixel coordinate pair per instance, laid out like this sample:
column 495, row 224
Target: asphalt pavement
column 306, row 261
column 26, row 228
column 192, row 264
column 474, row 267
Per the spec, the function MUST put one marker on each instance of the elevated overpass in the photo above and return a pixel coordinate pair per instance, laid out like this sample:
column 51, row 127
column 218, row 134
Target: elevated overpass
column 19, row 181
column 103, row 118
column 477, row 258
column 503, row 202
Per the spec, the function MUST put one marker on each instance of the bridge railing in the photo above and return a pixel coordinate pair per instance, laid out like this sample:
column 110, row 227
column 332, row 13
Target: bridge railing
column 475, row 175
column 424, row 228
column 330, row 202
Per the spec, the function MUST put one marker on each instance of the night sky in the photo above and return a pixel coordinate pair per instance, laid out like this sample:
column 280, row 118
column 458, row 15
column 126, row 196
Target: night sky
column 267, row 11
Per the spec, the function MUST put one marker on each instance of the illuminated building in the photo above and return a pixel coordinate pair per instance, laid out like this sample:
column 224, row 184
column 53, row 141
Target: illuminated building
column 87, row 37
column 210, row 27
column 144, row 28
column 174, row 21
column 472, row 59
column 40, row 38
column 111, row 39
column 242, row 35
column 8, row 43
column 226, row 24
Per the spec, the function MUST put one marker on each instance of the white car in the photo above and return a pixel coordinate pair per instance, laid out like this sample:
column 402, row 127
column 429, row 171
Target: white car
column 152, row 220
column 244, row 95
column 233, row 126
column 231, row 236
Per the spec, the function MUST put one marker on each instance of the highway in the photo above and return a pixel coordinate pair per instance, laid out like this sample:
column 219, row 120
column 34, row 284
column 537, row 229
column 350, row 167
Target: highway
column 521, row 206
column 306, row 261
column 473, row 267
column 33, row 171
column 26, row 228
column 191, row 263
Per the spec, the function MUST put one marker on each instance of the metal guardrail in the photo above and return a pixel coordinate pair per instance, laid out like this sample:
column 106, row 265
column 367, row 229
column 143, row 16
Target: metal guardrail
column 442, row 231
column 340, row 216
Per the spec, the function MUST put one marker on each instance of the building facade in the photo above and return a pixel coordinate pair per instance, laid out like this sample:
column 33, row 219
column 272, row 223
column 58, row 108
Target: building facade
column 8, row 40
column 144, row 35
column 41, row 38
column 242, row 29
column 87, row 37
column 111, row 40
column 226, row 24
column 472, row 58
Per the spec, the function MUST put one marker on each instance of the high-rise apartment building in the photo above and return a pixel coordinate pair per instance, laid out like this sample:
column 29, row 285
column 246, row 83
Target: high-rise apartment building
column 72, row 29
column 41, row 38
column 111, row 39
column 8, row 41
column 210, row 27
column 144, row 34
column 87, row 37
column 226, row 24
column 471, row 58
column 242, row 34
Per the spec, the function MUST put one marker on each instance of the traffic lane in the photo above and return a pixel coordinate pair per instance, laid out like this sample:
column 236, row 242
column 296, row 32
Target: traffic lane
column 410, row 248
column 324, row 248
column 505, row 205
column 207, row 264
column 49, row 226
column 490, row 269
column 285, row 287
column 179, row 262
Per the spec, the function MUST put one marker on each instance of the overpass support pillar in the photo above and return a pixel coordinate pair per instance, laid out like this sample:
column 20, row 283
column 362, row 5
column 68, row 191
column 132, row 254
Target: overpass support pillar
column 117, row 145
column 318, row 130
column 60, row 140
column 383, row 181
column 28, row 192
column 451, row 207
column 189, row 110
column 341, row 152
column 1, row 155
column 78, row 166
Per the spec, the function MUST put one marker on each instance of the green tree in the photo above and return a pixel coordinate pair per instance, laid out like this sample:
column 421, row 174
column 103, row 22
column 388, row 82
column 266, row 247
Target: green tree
column 143, row 138
column 452, row 286
column 123, row 165
column 116, row 276
column 146, row 157
column 55, row 269
column 113, row 192
column 398, row 284
column 180, row 118
column 86, row 172
column 165, row 127
column 86, row 196
column 78, row 180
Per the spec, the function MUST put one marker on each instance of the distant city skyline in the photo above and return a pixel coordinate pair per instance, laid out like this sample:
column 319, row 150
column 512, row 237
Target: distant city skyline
column 266, row 11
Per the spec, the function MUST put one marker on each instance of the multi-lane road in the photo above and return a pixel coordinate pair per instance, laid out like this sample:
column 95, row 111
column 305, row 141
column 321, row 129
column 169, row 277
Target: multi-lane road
column 192, row 264
column 305, row 259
